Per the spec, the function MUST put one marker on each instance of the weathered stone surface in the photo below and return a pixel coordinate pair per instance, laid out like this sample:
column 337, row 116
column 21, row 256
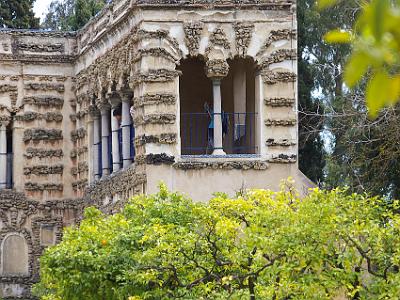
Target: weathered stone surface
column 280, row 143
column 32, row 116
column 280, row 122
column 155, row 119
column 33, row 186
column 155, row 159
column 165, row 138
column 274, row 77
column 59, row 87
column 225, row 165
column 279, row 102
column 38, row 134
column 44, row 170
column 283, row 158
column 50, row 101
column 42, row 153
column 154, row 99
column 78, row 134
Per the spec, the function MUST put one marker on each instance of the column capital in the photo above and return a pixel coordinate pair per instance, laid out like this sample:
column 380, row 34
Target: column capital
column 94, row 112
column 126, row 95
column 104, row 106
column 114, row 99
column 4, row 121
column 217, row 69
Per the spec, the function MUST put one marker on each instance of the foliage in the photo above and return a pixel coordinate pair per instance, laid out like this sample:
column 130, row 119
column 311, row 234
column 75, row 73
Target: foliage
column 71, row 14
column 376, row 51
column 261, row 245
column 311, row 148
column 18, row 14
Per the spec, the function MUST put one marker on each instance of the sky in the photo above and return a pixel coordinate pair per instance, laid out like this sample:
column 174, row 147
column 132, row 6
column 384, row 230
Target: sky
column 40, row 7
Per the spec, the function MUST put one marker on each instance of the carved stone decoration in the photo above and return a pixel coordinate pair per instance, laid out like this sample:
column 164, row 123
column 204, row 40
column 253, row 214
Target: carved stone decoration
column 155, row 159
column 59, row 87
column 280, row 122
column 82, row 167
column 79, row 184
column 39, row 134
column 277, row 35
column 218, row 38
column 274, row 77
column 78, row 134
column 283, row 158
column 50, row 101
column 155, row 52
column 164, row 138
column 44, row 170
column 243, row 32
column 33, row 186
column 78, row 151
column 217, row 68
column 192, row 36
column 226, row 165
column 155, row 119
column 280, row 143
column 279, row 102
column 279, row 56
column 42, row 153
column 32, row 116
column 5, row 88
column 47, row 48
column 154, row 99
column 156, row 75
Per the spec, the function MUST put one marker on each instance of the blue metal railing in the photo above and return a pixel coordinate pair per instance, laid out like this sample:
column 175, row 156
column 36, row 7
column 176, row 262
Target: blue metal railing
column 238, row 133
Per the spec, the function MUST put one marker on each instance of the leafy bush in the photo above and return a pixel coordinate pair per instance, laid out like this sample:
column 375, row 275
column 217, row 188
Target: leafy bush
column 260, row 245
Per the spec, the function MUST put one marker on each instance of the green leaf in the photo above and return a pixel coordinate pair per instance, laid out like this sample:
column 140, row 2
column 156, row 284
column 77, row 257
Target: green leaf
column 377, row 92
column 356, row 67
column 337, row 36
column 325, row 3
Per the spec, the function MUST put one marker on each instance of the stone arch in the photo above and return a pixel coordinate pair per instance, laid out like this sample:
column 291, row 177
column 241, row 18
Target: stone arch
column 14, row 255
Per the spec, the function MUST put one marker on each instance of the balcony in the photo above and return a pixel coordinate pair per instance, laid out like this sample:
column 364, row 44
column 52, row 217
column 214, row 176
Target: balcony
column 238, row 134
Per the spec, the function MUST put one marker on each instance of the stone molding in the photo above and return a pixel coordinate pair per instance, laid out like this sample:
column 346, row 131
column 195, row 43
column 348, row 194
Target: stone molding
column 49, row 101
column 280, row 143
column 43, row 153
column 154, row 99
column 48, row 186
column 279, row 56
column 243, row 33
column 58, row 87
column 155, row 159
column 32, row 116
column 274, row 77
column 280, row 122
column 156, row 75
column 44, row 169
column 82, row 167
column 164, row 138
column 39, row 134
column 78, row 151
column 279, row 102
column 193, row 32
column 155, row 119
column 78, row 134
column 6, row 88
column 283, row 158
column 225, row 165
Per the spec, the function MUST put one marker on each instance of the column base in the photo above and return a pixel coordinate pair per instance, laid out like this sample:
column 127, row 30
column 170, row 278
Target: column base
column 218, row 152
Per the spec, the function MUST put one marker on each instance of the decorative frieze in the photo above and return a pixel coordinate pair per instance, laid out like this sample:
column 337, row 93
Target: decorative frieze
column 156, row 75
column 280, row 122
column 280, row 143
column 192, row 36
column 164, row 138
column 218, row 38
column 44, row 170
column 43, row 153
column 34, row 186
column 154, row 99
column 279, row 56
column 47, row 48
column 59, row 87
column 32, row 116
column 283, row 158
column 155, row 119
column 156, row 52
column 274, row 77
column 155, row 159
column 50, row 101
column 217, row 68
column 278, row 35
column 225, row 165
column 243, row 32
column 279, row 102
column 39, row 134
column 78, row 134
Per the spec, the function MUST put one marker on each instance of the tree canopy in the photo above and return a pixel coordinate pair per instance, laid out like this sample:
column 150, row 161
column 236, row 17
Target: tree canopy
column 71, row 14
column 18, row 14
column 258, row 245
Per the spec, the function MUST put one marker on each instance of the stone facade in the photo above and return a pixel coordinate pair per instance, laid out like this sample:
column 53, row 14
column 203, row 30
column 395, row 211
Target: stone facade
column 60, row 93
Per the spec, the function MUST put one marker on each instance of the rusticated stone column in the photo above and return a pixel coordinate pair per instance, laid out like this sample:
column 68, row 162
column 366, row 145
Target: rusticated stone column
column 126, row 122
column 216, row 70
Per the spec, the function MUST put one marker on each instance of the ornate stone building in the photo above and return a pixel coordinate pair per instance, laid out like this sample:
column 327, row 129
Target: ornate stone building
column 200, row 94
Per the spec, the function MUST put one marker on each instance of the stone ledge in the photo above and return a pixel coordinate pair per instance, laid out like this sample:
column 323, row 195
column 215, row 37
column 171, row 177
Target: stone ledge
column 280, row 143
column 226, row 165
column 38, row 134
column 279, row 102
column 280, row 122
column 44, row 170
column 164, row 138
column 44, row 101
column 34, row 186
column 283, row 159
column 42, row 153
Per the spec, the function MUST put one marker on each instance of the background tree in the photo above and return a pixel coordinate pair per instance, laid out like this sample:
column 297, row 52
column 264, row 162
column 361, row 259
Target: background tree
column 71, row 14
column 261, row 245
column 18, row 14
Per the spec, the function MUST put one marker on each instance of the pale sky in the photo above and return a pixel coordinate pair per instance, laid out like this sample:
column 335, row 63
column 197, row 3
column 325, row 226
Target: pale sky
column 40, row 7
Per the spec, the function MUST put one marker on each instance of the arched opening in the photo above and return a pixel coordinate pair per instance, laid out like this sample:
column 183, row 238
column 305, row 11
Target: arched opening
column 238, row 108
column 238, row 105
column 14, row 255
column 195, row 90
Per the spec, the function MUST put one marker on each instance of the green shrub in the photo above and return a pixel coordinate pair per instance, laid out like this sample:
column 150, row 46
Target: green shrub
column 260, row 245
